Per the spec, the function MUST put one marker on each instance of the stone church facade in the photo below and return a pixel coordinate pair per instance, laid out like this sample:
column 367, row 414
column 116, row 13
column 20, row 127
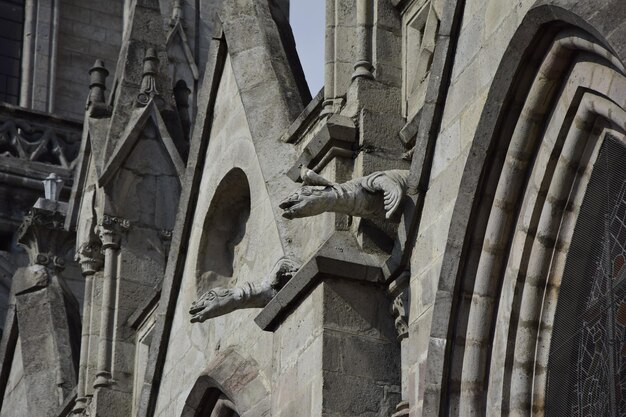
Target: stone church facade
column 187, row 231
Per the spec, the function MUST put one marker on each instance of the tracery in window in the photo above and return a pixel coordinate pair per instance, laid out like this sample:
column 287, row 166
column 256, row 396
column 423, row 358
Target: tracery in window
column 587, row 364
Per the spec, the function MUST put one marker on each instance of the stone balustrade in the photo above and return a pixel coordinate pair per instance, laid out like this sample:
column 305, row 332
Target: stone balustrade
column 34, row 136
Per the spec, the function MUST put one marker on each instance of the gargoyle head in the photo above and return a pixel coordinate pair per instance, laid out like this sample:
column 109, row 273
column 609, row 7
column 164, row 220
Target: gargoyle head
column 214, row 303
column 316, row 196
column 308, row 201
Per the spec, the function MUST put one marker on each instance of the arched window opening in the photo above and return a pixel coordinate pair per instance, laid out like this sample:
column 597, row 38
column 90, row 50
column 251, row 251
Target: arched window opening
column 206, row 400
column 217, row 405
column 587, row 363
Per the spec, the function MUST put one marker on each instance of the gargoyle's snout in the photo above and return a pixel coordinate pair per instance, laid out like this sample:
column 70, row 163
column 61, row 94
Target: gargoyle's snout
column 287, row 204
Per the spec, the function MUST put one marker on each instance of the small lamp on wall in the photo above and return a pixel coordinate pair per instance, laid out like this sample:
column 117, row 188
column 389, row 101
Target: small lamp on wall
column 52, row 187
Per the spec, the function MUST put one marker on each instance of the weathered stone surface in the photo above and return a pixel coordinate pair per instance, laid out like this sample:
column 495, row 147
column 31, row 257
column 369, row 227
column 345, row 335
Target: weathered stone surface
column 500, row 109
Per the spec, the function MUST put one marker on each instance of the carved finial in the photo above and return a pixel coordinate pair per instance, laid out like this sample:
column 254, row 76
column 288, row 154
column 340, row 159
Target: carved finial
column 97, row 82
column 148, row 82
column 97, row 85
column 177, row 13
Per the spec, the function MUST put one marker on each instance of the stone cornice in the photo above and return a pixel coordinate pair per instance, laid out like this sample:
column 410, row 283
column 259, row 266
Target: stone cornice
column 339, row 258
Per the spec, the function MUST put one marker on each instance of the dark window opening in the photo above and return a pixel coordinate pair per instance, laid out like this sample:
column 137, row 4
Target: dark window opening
column 11, row 37
column 216, row 404
column 6, row 241
column 587, row 362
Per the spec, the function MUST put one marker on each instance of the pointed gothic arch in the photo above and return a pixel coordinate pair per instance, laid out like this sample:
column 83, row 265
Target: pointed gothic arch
column 218, row 392
column 559, row 92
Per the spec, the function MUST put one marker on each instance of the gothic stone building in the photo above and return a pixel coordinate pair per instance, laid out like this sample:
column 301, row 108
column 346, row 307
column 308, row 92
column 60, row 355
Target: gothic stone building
column 186, row 232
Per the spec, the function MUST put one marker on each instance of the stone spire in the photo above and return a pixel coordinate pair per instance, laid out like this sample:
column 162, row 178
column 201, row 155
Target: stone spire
column 96, row 105
column 139, row 78
column 177, row 13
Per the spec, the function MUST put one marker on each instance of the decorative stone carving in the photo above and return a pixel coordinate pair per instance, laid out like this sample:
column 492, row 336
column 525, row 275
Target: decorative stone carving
column 110, row 229
column 43, row 236
column 47, row 311
column 165, row 235
column 398, row 310
column 166, row 239
column 32, row 136
column 148, row 89
column 89, row 256
column 379, row 194
column 220, row 301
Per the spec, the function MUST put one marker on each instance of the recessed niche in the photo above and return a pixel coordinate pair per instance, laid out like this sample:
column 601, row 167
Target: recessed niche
column 222, row 244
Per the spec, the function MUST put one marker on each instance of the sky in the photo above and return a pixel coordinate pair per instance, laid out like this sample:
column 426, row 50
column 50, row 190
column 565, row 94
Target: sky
column 307, row 23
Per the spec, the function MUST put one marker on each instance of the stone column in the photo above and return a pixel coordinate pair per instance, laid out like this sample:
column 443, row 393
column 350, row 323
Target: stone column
column 28, row 58
column 329, row 65
column 40, row 48
column 47, row 312
column 363, row 65
column 90, row 259
column 110, row 230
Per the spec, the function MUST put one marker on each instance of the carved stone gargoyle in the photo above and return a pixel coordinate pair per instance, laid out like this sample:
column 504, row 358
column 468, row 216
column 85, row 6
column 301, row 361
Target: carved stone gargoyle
column 219, row 301
column 377, row 195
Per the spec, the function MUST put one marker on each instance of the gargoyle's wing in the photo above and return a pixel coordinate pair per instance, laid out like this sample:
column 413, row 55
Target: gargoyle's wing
column 393, row 190
column 310, row 177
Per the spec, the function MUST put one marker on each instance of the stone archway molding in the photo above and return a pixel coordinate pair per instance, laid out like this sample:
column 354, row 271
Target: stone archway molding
column 471, row 368
column 236, row 377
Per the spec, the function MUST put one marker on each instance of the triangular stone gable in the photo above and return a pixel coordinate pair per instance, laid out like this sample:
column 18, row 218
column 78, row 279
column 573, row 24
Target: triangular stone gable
column 144, row 185
column 272, row 92
column 144, row 32
column 109, row 136
column 178, row 50
column 138, row 122
column 231, row 242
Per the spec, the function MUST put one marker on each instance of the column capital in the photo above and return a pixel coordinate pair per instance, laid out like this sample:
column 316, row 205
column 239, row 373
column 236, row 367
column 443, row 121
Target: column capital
column 89, row 256
column 43, row 236
column 110, row 230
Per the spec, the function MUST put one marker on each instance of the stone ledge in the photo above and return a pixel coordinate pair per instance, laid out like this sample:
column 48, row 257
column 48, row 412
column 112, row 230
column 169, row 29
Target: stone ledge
column 337, row 137
column 340, row 257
